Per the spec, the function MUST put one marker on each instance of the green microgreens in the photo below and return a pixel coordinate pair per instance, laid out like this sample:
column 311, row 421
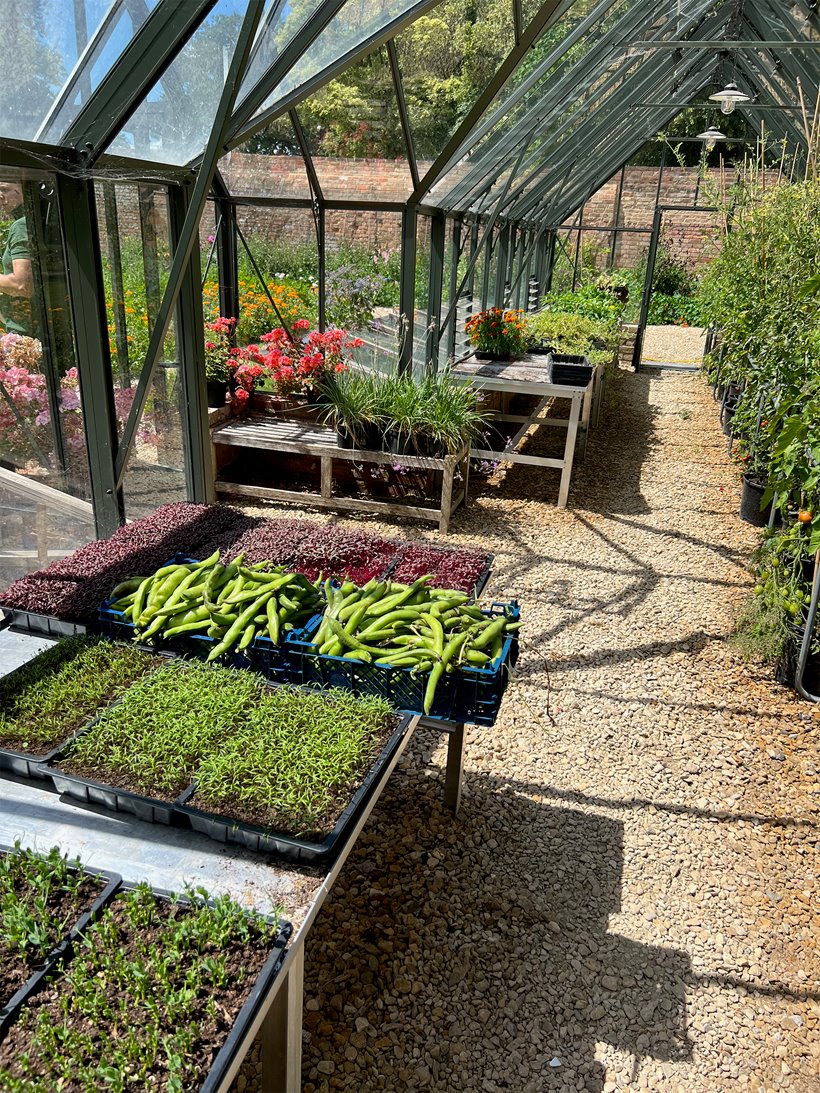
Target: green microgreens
column 60, row 690
column 293, row 756
column 165, row 723
column 145, row 995
column 283, row 751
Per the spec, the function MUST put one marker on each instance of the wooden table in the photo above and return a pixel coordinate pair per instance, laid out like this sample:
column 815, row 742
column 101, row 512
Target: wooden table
column 307, row 438
column 531, row 376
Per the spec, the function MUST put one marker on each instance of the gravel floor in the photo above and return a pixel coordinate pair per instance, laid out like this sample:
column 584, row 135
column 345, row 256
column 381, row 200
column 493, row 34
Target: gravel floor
column 674, row 344
column 628, row 900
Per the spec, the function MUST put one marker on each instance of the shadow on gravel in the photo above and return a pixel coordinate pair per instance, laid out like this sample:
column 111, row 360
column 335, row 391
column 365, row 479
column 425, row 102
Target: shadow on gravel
column 515, row 976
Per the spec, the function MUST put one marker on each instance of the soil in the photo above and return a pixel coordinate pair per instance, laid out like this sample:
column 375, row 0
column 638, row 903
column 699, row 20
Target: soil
column 54, row 1002
column 277, row 822
column 67, row 907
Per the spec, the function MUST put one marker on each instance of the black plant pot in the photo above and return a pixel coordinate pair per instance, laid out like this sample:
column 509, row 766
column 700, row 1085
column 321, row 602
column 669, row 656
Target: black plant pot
column 429, row 446
column 344, row 437
column 372, row 438
column 490, row 355
column 540, row 350
column 399, row 443
column 217, row 390
column 750, row 501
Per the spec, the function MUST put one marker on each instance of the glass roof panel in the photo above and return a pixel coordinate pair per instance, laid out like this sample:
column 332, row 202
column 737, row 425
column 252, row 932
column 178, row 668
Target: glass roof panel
column 60, row 52
column 173, row 122
column 350, row 28
column 269, row 164
column 354, row 134
column 446, row 61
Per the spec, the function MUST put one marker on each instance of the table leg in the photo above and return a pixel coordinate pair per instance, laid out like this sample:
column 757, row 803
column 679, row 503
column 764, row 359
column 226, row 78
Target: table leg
column 281, row 1032
column 586, row 414
column 597, row 396
column 447, row 494
column 569, row 450
column 455, row 769
column 327, row 476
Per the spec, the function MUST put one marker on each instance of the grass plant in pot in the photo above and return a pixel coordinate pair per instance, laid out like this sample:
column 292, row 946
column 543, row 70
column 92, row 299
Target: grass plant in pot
column 496, row 334
column 450, row 415
column 353, row 407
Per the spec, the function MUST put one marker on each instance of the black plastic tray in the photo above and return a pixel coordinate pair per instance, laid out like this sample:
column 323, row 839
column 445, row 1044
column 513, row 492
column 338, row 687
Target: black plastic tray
column 88, row 792
column 247, row 1015
column 289, row 847
column 112, row 882
column 29, row 622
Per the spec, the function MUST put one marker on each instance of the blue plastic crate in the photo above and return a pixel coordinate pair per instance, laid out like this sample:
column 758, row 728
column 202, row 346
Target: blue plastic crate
column 467, row 694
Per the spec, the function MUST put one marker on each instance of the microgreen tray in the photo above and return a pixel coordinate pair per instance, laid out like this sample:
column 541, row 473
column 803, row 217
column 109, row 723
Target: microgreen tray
column 87, row 791
column 290, row 847
column 466, row 694
column 225, row 1056
column 111, row 883
column 30, row 622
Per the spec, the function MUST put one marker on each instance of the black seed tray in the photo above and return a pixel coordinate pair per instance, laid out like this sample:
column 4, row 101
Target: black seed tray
column 290, row 847
column 29, row 622
column 11, row 1009
column 88, row 792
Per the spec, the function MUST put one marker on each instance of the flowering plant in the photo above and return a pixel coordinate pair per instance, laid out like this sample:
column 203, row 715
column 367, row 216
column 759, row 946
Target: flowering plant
column 220, row 355
column 298, row 363
column 497, row 331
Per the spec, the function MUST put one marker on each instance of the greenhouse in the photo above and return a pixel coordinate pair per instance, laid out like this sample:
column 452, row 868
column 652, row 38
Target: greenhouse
column 409, row 546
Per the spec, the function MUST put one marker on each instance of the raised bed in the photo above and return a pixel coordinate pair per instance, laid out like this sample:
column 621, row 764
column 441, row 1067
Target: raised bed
column 282, row 771
column 45, row 903
column 44, row 702
column 197, row 972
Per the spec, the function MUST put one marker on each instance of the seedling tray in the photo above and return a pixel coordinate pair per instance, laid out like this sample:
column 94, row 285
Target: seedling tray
column 29, row 622
column 467, row 694
column 87, row 791
column 480, row 581
column 289, row 847
column 112, row 882
column 226, row 1054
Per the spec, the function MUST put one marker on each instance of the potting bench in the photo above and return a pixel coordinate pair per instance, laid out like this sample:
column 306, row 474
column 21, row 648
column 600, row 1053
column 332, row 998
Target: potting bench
column 307, row 438
column 168, row 858
column 530, row 375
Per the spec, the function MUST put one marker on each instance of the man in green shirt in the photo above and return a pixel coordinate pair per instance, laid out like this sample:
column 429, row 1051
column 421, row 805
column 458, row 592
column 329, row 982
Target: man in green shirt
column 16, row 282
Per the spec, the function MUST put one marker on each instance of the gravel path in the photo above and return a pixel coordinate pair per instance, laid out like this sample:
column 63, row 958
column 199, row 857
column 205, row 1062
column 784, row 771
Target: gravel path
column 629, row 898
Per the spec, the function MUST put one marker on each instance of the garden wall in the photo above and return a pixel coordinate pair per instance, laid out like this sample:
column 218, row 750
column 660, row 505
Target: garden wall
column 389, row 180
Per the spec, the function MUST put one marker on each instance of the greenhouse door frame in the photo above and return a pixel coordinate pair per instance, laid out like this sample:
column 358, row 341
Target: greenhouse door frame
column 651, row 258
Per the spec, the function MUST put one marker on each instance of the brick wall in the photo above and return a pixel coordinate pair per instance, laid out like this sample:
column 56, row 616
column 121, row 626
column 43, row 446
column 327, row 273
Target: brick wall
column 692, row 233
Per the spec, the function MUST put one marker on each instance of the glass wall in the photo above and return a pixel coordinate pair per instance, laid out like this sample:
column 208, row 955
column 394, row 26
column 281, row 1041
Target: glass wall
column 44, row 485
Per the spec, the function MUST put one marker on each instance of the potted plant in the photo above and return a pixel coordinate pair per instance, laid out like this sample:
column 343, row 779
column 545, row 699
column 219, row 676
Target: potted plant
column 497, row 335
column 299, row 361
column 219, row 359
column 353, row 407
column 449, row 416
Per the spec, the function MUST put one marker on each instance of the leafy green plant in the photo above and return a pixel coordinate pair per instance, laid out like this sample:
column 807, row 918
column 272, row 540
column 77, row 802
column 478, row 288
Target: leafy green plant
column 40, row 898
column 590, row 301
column 185, row 968
column 294, row 759
column 59, row 691
column 569, row 332
column 154, row 739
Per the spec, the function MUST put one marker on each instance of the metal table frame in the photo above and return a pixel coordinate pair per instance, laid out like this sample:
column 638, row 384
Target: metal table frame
column 530, row 376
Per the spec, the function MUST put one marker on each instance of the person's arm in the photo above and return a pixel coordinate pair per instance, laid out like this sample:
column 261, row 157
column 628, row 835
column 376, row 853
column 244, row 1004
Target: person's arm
column 20, row 281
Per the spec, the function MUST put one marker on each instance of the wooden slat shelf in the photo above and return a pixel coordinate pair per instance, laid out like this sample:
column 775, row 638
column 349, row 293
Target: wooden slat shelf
column 296, row 437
